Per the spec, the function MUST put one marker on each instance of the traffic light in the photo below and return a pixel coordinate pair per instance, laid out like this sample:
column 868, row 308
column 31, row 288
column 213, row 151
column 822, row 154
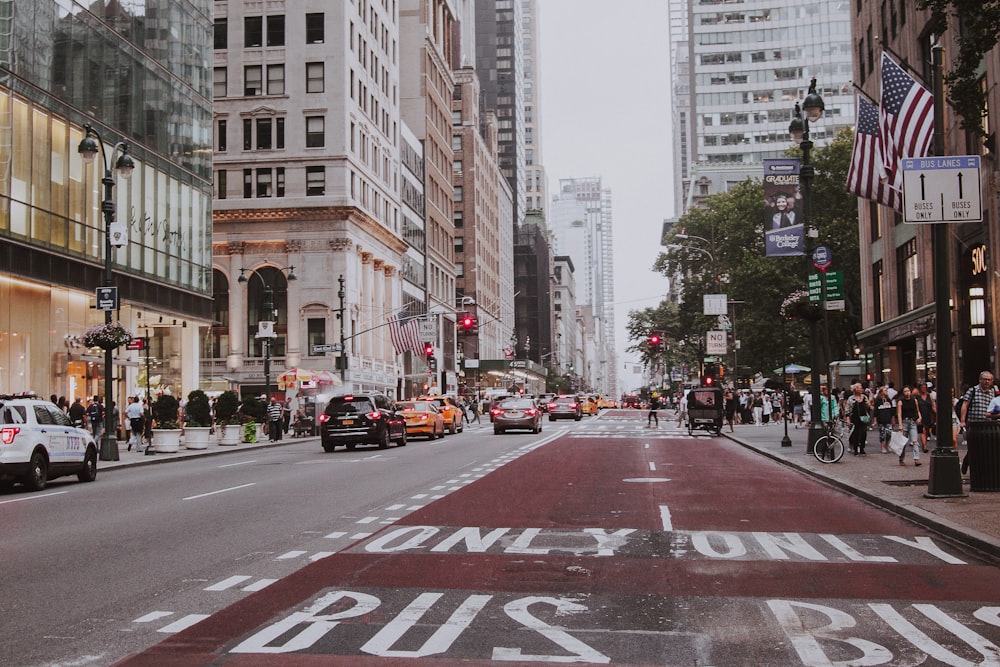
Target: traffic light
column 654, row 340
column 710, row 372
column 468, row 323
column 429, row 350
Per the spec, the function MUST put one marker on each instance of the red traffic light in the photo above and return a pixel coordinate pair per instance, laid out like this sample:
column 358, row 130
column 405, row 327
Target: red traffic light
column 429, row 349
column 467, row 322
column 709, row 380
column 654, row 340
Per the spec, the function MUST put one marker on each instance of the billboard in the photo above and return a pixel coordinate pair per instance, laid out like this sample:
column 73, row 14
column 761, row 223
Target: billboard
column 784, row 231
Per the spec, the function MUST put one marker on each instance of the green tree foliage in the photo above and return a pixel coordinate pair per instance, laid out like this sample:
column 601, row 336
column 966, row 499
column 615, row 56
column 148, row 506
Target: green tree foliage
column 977, row 23
column 724, row 254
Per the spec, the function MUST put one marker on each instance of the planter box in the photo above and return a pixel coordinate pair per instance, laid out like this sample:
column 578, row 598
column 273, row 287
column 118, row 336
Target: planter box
column 197, row 437
column 229, row 434
column 166, row 441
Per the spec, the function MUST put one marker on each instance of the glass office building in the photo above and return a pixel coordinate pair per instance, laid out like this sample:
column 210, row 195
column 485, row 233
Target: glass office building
column 139, row 73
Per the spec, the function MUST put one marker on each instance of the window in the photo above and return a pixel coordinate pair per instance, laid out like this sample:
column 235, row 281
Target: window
column 221, row 33
column 459, row 219
column 314, row 78
column 263, row 182
column 908, row 276
column 220, row 81
column 220, row 183
column 279, row 132
column 275, row 79
column 264, row 137
column 316, row 331
column 459, row 244
column 247, row 183
column 252, row 77
column 276, row 30
column 247, row 134
column 253, row 31
column 456, row 142
column 279, row 182
column 314, row 28
column 458, row 194
column 315, row 134
column 315, row 181
column 877, row 291
column 220, row 136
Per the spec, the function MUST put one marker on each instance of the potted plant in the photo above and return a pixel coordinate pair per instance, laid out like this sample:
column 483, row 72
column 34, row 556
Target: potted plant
column 797, row 306
column 107, row 336
column 227, row 405
column 167, row 430
column 197, row 420
column 254, row 411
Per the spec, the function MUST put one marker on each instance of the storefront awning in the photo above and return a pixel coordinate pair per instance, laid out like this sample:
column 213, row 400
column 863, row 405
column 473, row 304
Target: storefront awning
column 917, row 322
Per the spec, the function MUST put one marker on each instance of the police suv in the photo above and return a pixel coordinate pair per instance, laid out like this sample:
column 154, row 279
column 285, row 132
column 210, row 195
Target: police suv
column 38, row 442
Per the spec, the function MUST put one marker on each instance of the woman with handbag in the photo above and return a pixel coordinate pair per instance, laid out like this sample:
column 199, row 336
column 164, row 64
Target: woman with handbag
column 908, row 417
column 860, row 413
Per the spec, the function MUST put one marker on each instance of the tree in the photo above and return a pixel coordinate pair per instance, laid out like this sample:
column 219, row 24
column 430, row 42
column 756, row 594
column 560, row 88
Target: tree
column 978, row 25
column 731, row 260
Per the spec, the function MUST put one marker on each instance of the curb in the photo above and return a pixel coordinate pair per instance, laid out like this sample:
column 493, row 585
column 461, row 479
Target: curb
column 218, row 450
column 973, row 539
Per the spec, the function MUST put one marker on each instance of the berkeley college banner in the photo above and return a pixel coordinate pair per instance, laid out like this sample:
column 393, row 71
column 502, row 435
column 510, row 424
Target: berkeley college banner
column 784, row 234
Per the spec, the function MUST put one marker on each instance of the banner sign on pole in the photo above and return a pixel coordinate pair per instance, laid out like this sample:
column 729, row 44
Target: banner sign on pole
column 784, row 231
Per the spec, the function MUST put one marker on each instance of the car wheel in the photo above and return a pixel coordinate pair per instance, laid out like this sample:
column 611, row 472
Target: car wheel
column 552, row 418
column 350, row 446
column 88, row 473
column 441, row 434
column 383, row 441
column 577, row 418
column 452, row 428
column 328, row 447
column 38, row 473
column 497, row 430
column 402, row 439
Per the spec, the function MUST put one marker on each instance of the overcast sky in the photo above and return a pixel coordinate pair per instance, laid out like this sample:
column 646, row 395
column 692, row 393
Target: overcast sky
column 605, row 97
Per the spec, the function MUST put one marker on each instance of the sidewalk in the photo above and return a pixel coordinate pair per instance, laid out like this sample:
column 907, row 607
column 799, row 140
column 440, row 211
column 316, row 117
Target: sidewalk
column 127, row 459
column 879, row 479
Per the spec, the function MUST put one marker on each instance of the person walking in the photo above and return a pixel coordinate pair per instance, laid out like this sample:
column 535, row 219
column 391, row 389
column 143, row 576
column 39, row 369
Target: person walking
column 908, row 417
column 767, row 408
column 976, row 401
column 78, row 413
column 95, row 417
column 133, row 413
column 654, row 405
column 682, row 408
column 274, row 413
column 928, row 413
column 885, row 417
column 860, row 413
column 758, row 410
column 729, row 405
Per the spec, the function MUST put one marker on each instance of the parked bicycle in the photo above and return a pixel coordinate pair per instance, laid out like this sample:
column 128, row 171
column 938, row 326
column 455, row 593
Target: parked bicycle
column 829, row 447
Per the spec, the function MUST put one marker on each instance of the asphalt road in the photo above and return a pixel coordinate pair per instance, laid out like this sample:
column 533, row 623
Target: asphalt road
column 597, row 542
column 94, row 572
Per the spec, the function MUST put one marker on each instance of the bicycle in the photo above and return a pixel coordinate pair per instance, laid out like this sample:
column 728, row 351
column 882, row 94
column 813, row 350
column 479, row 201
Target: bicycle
column 829, row 448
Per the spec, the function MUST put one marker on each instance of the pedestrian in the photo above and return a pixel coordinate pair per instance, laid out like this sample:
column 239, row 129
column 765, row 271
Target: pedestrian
column 286, row 415
column 928, row 413
column 654, row 405
column 828, row 407
column 77, row 413
column 274, row 410
column 767, row 409
column 908, row 418
column 133, row 413
column 758, row 409
column 95, row 417
column 729, row 405
column 682, row 408
column 859, row 411
column 976, row 401
column 885, row 417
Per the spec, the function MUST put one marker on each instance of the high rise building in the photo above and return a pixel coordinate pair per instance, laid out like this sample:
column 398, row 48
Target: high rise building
column 581, row 219
column 739, row 68
column 307, row 169
column 138, row 75
column 535, row 182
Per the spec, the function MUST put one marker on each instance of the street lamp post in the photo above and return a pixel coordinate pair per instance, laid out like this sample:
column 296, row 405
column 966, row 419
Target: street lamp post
column 812, row 107
column 342, row 359
column 89, row 147
column 270, row 315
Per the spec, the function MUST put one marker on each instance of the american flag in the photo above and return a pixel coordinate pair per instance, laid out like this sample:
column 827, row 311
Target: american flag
column 906, row 120
column 866, row 174
column 405, row 333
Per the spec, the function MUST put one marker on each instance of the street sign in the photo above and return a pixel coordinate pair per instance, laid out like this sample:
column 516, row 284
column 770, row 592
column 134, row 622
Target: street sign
column 822, row 257
column 107, row 298
column 834, row 287
column 942, row 189
column 519, row 364
column 136, row 344
column 715, row 304
column 428, row 328
column 724, row 323
column 322, row 349
column 715, row 342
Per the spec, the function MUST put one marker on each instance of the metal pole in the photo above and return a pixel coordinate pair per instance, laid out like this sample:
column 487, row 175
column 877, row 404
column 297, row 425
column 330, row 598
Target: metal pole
column 149, row 402
column 785, row 441
column 806, row 173
column 109, row 440
column 268, row 310
column 340, row 315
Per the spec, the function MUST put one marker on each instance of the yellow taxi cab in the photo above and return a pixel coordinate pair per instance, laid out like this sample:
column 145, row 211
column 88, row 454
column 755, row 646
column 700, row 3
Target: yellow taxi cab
column 422, row 418
column 449, row 410
column 588, row 404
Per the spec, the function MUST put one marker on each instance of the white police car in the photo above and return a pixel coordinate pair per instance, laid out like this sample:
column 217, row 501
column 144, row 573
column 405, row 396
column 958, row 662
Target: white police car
column 38, row 442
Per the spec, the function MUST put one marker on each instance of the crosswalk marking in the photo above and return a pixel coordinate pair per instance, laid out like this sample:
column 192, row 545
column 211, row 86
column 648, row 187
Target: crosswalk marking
column 182, row 623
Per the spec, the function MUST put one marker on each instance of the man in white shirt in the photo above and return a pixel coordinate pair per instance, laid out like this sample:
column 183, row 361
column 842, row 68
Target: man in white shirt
column 133, row 413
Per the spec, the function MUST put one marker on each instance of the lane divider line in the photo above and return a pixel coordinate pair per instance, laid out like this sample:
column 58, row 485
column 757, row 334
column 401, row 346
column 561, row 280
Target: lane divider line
column 665, row 518
column 213, row 493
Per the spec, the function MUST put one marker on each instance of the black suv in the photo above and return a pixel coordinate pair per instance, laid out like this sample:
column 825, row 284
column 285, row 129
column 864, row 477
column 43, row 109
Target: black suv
column 361, row 419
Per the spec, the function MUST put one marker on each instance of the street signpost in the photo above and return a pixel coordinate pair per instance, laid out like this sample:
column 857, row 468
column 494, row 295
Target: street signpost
column 834, row 289
column 715, row 342
column 942, row 189
column 107, row 298
column 715, row 304
column 322, row 349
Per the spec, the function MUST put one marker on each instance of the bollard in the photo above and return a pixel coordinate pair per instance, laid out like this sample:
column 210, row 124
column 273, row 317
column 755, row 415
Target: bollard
column 983, row 440
column 945, row 475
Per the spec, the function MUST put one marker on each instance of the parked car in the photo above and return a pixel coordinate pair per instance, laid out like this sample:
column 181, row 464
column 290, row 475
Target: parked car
column 361, row 419
column 565, row 407
column 422, row 418
column 38, row 442
column 517, row 413
column 450, row 412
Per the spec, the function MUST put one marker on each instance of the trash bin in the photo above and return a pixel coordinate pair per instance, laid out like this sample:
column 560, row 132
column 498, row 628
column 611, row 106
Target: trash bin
column 983, row 440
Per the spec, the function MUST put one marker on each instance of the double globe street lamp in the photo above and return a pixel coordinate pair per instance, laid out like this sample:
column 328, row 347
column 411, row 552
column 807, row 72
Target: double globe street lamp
column 266, row 326
column 810, row 111
column 89, row 147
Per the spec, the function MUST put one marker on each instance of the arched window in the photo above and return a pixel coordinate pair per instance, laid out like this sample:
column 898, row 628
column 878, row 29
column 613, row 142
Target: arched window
column 257, row 286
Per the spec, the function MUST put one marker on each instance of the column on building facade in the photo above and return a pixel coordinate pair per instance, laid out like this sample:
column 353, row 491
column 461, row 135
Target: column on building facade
column 378, row 311
column 388, row 307
column 366, row 300
column 237, row 313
